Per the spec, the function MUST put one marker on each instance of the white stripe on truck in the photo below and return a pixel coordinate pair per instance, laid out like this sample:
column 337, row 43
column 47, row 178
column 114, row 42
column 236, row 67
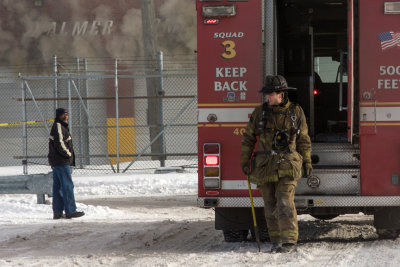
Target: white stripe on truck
column 225, row 114
column 382, row 114
column 236, row 185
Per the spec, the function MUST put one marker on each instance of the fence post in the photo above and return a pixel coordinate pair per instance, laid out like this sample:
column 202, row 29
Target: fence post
column 55, row 84
column 116, row 109
column 69, row 105
column 160, row 105
column 86, row 121
column 80, row 117
column 24, row 134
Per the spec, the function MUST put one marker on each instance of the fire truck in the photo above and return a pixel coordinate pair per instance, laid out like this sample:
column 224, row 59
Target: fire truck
column 342, row 55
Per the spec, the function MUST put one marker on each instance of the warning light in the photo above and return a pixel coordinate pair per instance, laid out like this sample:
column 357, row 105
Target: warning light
column 211, row 160
column 315, row 92
column 211, row 21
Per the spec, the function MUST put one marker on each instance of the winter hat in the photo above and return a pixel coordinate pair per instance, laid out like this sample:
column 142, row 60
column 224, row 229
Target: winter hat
column 61, row 111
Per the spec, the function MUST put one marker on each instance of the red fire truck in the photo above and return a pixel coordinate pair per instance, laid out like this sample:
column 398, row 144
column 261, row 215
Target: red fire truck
column 342, row 55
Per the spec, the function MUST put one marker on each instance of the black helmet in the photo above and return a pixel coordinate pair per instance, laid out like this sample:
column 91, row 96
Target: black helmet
column 275, row 84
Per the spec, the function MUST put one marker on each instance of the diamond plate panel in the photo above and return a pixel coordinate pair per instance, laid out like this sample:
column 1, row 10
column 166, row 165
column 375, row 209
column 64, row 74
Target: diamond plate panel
column 335, row 154
column 332, row 182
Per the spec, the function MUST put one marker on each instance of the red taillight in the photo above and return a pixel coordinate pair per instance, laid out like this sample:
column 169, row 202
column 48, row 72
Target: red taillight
column 211, row 160
column 212, row 166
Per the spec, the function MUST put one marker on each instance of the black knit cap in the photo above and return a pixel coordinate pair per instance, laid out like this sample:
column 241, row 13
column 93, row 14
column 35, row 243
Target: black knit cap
column 61, row 111
column 275, row 84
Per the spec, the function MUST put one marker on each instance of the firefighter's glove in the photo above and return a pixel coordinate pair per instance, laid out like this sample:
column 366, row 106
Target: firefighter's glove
column 307, row 169
column 246, row 168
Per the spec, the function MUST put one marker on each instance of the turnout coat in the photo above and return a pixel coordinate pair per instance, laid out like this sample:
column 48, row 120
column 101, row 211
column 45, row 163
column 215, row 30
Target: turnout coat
column 269, row 165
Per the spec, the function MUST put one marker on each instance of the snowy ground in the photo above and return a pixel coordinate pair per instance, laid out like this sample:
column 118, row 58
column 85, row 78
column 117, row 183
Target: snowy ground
column 152, row 220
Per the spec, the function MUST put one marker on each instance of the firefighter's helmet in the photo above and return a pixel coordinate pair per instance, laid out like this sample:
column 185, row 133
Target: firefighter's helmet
column 275, row 84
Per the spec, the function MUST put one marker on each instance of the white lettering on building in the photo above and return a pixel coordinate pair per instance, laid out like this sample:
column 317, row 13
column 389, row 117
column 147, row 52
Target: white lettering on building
column 81, row 28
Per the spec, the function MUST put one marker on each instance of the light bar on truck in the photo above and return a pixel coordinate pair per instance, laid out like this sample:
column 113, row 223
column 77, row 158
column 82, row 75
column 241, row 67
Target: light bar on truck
column 212, row 166
column 392, row 8
column 211, row 21
column 219, row 10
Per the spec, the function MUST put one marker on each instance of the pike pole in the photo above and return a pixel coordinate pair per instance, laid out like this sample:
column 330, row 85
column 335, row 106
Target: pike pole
column 256, row 232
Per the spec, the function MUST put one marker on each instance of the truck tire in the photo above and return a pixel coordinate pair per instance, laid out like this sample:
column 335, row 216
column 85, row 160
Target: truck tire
column 324, row 217
column 235, row 235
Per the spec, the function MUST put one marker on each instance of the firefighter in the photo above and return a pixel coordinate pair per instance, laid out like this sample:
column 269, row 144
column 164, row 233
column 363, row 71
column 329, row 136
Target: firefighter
column 283, row 152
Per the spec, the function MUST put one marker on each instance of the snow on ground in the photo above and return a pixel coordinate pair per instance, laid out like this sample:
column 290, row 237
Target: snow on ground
column 136, row 184
column 153, row 220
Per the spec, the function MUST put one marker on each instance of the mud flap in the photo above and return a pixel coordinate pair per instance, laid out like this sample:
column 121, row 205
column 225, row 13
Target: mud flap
column 387, row 222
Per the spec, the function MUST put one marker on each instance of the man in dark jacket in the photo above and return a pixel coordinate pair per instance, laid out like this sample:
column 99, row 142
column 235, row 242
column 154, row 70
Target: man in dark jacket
column 61, row 158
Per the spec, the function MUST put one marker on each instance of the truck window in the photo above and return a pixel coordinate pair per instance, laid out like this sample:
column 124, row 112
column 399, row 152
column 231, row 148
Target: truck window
column 327, row 69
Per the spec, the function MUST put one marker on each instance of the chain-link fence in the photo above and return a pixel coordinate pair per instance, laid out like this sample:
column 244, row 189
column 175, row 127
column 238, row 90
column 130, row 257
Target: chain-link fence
column 124, row 118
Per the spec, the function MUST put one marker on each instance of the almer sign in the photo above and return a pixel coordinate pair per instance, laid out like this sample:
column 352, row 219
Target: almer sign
column 81, row 28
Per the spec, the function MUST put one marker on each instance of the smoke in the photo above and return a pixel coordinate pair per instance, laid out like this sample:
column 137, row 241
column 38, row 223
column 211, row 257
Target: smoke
column 177, row 28
column 128, row 41
column 31, row 35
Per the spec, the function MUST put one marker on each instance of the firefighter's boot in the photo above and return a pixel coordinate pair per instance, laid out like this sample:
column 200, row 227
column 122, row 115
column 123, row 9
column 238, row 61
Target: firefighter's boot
column 287, row 247
column 276, row 247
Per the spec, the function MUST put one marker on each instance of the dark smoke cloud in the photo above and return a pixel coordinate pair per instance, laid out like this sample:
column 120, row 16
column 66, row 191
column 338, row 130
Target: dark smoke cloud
column 27, row 32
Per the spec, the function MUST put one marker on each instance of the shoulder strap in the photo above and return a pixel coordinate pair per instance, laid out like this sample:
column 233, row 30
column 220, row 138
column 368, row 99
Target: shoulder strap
column 293, row 115
column 263, row 118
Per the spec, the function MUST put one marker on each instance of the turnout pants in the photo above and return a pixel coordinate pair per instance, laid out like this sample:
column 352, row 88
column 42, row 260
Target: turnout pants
column 63, row 190
column 280, row 210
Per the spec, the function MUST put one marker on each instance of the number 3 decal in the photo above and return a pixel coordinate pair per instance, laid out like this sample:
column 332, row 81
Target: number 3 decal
column 230, row 51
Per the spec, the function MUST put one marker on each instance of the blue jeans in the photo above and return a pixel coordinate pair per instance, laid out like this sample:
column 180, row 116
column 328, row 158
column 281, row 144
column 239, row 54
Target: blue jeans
column 63, row 190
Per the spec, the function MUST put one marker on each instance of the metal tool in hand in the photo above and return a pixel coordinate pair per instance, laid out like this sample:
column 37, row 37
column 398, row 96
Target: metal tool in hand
column 256, row 232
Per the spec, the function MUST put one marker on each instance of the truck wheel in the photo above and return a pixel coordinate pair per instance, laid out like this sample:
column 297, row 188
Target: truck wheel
column 235, row 235
column 264, row 236
column 324, row 217
column 387, row 233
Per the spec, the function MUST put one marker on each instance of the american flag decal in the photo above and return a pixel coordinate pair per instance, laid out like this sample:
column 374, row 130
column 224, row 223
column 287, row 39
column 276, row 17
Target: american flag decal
column 389, row 39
